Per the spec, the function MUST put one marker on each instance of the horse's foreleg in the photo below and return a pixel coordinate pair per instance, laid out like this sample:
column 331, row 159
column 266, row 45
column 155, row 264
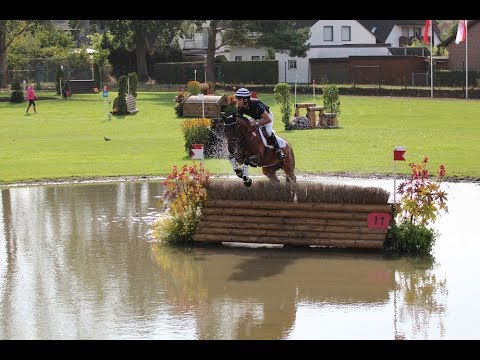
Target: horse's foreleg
column 247, row 181
column 235, row 167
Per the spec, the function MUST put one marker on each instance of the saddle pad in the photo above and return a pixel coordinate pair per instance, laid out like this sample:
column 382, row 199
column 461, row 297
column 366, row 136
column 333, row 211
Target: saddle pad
column 280, row 141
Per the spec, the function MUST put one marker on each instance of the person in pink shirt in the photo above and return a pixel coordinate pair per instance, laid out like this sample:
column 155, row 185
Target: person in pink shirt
column 31, row 97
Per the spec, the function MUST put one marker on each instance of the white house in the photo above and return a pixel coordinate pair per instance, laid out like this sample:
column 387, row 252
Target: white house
column 341, row 39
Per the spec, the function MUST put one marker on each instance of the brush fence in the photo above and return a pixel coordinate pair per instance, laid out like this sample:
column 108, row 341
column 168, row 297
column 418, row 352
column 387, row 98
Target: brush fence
column 277, row 222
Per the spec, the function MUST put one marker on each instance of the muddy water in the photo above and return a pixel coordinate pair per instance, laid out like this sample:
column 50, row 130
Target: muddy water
column 78, row 262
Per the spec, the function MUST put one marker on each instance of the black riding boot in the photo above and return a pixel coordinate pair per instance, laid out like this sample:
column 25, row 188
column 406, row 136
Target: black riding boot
column 273, row 141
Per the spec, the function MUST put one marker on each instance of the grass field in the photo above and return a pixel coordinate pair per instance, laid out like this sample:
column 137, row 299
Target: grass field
column 65, row 139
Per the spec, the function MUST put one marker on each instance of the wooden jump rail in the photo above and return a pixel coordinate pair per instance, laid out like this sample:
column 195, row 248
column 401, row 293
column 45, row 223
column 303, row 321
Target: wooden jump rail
column 277, row 222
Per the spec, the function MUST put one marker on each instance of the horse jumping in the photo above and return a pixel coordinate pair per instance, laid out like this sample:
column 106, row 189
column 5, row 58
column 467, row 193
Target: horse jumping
column 246, row 147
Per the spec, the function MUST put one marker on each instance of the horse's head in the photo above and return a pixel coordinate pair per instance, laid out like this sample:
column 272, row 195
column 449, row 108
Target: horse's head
column 229, row 120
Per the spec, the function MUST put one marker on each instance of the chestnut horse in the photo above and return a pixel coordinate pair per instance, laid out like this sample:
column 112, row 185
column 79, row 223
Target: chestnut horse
column 246, row 147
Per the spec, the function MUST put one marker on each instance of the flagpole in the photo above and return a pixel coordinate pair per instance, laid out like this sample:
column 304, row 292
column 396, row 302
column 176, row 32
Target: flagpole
column 466, row 60
column 431, row 61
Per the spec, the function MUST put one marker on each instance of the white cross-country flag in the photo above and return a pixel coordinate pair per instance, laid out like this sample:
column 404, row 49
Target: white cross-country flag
column 197, row 152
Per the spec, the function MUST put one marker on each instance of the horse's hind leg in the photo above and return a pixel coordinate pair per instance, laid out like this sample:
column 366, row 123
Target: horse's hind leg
column 270, row 173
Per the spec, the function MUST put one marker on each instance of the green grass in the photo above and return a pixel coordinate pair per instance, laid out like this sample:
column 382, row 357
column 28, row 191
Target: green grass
column 65, row 139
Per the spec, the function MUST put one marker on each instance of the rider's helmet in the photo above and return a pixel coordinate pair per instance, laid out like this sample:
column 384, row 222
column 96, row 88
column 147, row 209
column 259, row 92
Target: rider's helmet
column 243, row 93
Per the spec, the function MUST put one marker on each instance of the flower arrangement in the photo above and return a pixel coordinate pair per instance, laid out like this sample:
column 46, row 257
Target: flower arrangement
column 185, row 194
column 421, row 202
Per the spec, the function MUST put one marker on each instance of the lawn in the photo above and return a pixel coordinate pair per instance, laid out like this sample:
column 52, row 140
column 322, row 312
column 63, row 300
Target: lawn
column 65, row 139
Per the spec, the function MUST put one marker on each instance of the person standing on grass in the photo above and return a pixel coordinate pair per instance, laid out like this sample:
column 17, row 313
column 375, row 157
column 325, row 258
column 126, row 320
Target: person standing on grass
column 31, row 97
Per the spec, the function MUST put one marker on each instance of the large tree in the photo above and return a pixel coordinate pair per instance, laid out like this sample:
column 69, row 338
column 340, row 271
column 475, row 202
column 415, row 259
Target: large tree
column 9, row 31
column 280, row 35
column 141, row 35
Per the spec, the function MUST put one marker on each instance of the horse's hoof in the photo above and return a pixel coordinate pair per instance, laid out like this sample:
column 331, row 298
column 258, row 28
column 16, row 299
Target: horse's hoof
column 247, row 183
column 239, row 173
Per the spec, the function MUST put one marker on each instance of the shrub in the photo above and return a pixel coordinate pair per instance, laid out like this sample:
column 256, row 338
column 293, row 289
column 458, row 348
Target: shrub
column 182, row 200
column 410, row 238
column 17, row 95
column 181, row 95
column 421, row 202
column 282, row 97
column 193, row 87
column 231, row 106
column 331, row 99
column 133, row 83
column 120, row 104
column 197, row 131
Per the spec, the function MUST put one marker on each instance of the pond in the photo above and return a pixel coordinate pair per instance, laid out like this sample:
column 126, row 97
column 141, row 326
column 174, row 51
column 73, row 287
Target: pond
column 78, row 261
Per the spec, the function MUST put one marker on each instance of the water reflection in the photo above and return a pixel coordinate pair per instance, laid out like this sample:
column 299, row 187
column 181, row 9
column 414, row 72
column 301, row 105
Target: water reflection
column 77, row 262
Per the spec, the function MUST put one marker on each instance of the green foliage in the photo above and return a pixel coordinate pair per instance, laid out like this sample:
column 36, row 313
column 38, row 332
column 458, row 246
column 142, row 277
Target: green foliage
column 331, row 99
column 270, row 54
column 421, row 202
column 184, row 195
column 231, row 106
column 17, row 95
column 120, row 104
column 133, row 83
column 421, row 199
column 282, row 98
column 197, row 131
column 193, row 87
column 181, row 95
column 410, row 238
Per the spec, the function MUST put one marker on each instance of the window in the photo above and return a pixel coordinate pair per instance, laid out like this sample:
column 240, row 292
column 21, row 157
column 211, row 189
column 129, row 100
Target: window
column 238, row 58
column 255, row 58
column 346, row 33
column 328, row 33
column 292, row 64
column 417, row 33
column 263, row 57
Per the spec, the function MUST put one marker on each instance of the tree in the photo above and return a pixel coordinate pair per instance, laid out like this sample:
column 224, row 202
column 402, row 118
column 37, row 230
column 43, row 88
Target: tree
column 142, row 36
column 9, row 31
column 280, row 35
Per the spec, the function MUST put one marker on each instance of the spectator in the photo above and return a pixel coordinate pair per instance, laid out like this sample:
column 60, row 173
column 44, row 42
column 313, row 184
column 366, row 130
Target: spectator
column 31, row 97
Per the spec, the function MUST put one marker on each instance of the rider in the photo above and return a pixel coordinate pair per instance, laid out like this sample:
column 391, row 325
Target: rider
column 259, row 114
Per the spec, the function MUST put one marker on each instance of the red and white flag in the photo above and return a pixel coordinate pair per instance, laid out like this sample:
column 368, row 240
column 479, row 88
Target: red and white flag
column 428, row 23
column 461, row 31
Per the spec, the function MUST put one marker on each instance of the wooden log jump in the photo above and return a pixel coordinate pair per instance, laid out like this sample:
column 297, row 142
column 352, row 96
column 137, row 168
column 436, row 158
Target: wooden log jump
column 278, row 222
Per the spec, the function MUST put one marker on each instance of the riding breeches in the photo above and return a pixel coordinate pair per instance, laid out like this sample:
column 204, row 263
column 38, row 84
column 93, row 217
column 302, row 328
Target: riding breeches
column 269, row 126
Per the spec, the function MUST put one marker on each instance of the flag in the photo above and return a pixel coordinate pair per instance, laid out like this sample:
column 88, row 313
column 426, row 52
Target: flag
column 399, row 153
column 461, row 31
column 428, row 23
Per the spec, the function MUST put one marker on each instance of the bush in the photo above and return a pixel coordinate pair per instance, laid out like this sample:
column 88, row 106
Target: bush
column 331, row 99
column 282, row 97
column 133, row 83
column 182, row 200
column 17, row 95
column 120, row 104
column 193, row 87
column 410, row 238
column 197, row 131
column 421, row 202
column 181, row 95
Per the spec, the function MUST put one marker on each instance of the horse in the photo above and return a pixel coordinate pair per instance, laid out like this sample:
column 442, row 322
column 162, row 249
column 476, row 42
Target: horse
column 247, row 148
